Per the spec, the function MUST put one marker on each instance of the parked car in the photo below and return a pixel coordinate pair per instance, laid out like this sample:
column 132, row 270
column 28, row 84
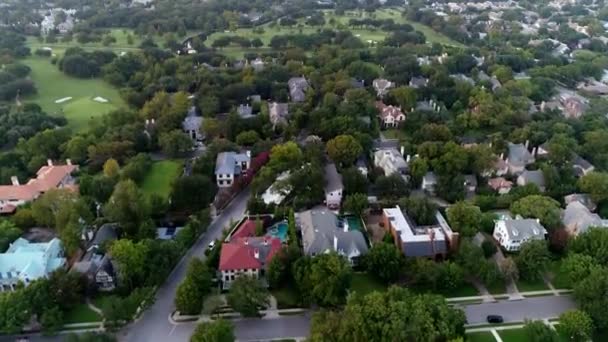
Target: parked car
column 211, row 244
column 494, row 319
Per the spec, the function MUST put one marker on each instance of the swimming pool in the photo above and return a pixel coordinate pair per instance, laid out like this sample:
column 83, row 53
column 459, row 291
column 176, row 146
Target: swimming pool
column 278, row 230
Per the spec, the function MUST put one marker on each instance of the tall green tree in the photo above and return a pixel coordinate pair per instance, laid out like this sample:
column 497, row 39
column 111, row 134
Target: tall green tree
column 538, row 331
column 217, row 331
column 247, row 296
column 355, row 204
column 344, row 149
column 464, row 218
column 384, row 261
column 128, row 208
column 546, row 209
column 533, row 259
column 577, row 325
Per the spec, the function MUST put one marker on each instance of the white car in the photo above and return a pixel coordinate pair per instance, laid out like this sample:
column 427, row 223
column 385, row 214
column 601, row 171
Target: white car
column 211, row 244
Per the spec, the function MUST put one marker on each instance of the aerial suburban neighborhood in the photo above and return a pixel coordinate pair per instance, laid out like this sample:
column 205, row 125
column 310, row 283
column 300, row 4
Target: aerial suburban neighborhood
column 310, row 170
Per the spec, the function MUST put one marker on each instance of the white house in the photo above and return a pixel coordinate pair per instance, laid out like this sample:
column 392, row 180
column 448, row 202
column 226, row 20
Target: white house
column 333, row 187
column 230, row 165
column 512, row 233
column 25, row 262
column 391, row 161
column 275, row 194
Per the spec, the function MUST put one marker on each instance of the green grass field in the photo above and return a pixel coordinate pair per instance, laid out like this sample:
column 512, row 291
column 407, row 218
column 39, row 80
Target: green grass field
column 513, row 335
column 363, row 283
column 482, row 336
column 340, row 23
column 53, row 84
column 160, row 178
column 81, row 314
column 525, row 286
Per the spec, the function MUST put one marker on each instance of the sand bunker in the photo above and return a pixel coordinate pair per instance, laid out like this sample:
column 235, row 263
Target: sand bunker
column 100, row 99
column 64, row 99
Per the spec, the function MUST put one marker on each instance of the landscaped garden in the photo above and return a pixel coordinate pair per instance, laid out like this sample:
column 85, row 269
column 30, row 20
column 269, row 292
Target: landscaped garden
column 364, row 283
column 160, row 178
column 513, row 335
column 482, row 336
column 526, row 285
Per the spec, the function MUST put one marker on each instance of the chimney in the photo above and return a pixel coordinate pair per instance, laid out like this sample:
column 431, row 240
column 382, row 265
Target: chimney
column 502, row 156
column 147, row 122
column 256, row 253
column 152, row 121
column 246, row 241
column 49, row 162
column 527, row 143
column 265, row 242
column 534, row 151
column 15, row 180
column 248, row 153
column 68, row 161
column 345, row 226
column 402, row 150
column 335, row 243
column 408, row 158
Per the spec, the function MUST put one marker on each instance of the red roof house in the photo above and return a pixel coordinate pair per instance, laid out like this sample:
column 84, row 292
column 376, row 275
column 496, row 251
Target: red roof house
column 246, row 255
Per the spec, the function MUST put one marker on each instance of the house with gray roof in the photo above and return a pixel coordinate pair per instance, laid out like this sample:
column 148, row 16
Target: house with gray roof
column 518, row 158
column 429, row 182
column 297, row 88
column 532, row 177
column 333, row 187
column 382, row 86
column 324, row 232
column 391, row 161
column 96, row 265
column 512, row 233
column 584, row 199
column 230, row 165
column 419, row 241
column 192, row 125
column 278, row 113
column 245, row 111
column 581, row 166
column 418, row 82
column 577, row 219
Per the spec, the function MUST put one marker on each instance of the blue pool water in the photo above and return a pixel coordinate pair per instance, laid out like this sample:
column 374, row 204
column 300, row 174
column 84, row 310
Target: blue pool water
column 279, row 230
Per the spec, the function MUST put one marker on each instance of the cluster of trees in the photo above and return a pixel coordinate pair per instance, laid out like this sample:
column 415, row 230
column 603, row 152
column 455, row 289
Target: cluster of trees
column 80, row 63
column 47, row 299
column 14, row 82
column 24, row 122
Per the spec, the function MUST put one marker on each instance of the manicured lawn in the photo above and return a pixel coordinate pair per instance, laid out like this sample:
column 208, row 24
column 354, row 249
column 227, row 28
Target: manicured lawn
column 287, row 297
column 525, row 286
column 395, row 134
column 340, row 23
column 53, row 85
column 363, row 283
column 513, row 335
column 466, row 290
column 160, row 178
column 497, row 288
column 482, row 336
column 558, row 280
column 82, row 314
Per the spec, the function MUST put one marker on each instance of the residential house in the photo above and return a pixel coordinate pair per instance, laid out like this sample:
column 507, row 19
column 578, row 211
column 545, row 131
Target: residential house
column 584, row 199
column 276, row 193
column 574, row 107
column 230, row 165
column 581, row 166
column 25, row 262
column 167, row 233
column 390, row 161
column 518, row 158
column 500, row 185
column 257, row 64
column 333, row 187
column 382, row 86
column 246, row 256
column 512, row 233
column 418, row 82
column 470, row 183
column 419, row 241
column 532, row 177
column 390, row 116
column 278, row 113
column 96, row 264
column 429, row 182
column 297, row 88
column 577, row 219
column 244, row 111
column 323, row 232
column 48, row 177
column 192, row 125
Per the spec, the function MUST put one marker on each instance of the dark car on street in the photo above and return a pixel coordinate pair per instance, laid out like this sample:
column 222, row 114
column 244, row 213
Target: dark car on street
column 494, row 319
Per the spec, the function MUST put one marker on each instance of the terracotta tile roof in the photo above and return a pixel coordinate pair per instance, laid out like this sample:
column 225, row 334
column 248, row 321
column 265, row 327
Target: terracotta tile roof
column 386, row 111
column 48, row 177
column 499, row 182
column 241, row 253
column 247, row 229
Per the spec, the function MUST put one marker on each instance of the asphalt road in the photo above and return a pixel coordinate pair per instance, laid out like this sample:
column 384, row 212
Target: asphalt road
column 519, row 310
column 154, row 325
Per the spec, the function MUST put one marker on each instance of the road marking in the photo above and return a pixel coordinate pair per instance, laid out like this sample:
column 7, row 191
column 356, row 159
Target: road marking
column 496, row 336
column 172, row 330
